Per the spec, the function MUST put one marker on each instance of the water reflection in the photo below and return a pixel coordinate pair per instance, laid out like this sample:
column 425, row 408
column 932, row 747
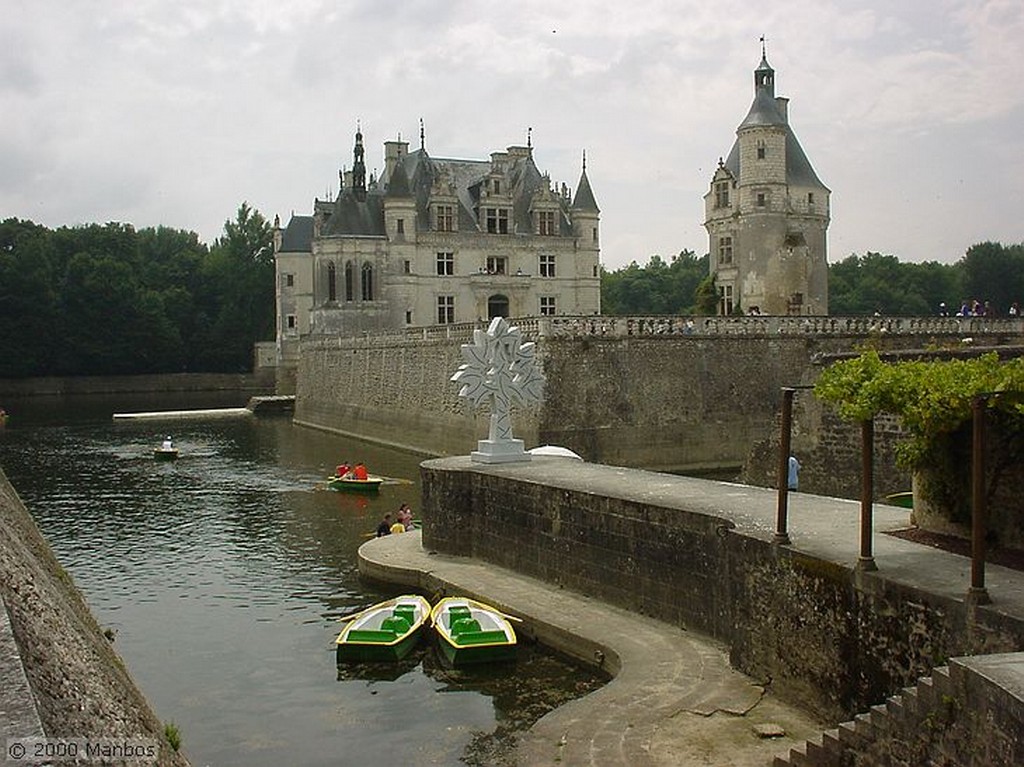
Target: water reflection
column 224, row 572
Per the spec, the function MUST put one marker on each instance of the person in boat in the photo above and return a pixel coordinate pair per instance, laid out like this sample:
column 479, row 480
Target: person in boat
column 167, row 444
column 359, row 472
column 405, row 516
column 342, row 470
column 398, row 527
column 384, row 528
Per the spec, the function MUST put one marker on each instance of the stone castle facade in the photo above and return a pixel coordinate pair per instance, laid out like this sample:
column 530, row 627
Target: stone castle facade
column 767, row 214
column 437, row 241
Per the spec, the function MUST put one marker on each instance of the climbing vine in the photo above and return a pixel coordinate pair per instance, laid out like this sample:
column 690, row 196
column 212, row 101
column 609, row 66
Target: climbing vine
column 933, row 399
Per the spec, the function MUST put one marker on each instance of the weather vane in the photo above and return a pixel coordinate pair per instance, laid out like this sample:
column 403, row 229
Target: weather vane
column 498, row 370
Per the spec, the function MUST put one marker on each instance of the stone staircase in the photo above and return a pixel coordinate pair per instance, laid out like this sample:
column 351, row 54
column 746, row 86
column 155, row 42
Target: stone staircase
column 902, row 731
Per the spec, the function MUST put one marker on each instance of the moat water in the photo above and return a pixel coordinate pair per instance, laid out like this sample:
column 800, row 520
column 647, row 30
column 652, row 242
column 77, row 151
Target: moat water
column 224, row 575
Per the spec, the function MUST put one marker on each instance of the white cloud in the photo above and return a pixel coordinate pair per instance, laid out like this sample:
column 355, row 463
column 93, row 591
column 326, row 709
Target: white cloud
column 173, row 113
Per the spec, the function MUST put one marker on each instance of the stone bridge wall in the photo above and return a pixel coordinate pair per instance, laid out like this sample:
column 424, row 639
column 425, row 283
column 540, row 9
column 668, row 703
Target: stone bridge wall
column 666, row 393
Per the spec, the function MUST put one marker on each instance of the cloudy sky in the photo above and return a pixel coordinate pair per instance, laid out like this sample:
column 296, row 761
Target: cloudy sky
column 173, row 112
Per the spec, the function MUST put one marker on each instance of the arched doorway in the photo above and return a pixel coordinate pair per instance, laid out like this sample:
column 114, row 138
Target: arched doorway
column 497, row 306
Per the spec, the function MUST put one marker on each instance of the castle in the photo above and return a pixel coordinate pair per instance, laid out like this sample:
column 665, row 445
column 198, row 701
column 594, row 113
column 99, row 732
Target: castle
column 437, row 241
column 766, row 214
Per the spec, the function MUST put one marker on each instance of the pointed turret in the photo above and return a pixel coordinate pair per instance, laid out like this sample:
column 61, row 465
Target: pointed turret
column 584, row 200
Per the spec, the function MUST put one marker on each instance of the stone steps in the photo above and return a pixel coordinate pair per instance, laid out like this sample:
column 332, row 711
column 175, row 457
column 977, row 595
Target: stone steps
column 901, row 717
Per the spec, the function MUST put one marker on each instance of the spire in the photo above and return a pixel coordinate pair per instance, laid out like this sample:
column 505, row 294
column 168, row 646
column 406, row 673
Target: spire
column 358, row 166
column 764, row 75
column 422, row 135
column 529, row 138
column 584, row 195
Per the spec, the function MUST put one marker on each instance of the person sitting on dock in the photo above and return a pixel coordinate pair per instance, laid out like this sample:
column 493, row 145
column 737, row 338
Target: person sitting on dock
column 384, row 528
column 359, row 472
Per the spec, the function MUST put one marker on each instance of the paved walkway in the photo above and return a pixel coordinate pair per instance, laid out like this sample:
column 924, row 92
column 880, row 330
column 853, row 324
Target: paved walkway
column 675, row 700
column 18, row 715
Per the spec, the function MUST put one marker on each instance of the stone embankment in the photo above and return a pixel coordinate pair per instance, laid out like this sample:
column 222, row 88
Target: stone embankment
column 80, row 686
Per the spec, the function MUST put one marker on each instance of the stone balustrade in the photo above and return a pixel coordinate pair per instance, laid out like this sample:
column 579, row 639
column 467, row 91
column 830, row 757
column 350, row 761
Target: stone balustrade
column 704, row 327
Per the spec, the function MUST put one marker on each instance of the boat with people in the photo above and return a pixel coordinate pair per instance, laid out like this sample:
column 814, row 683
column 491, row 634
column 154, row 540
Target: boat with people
column 354, row 478
column 369, row 485
column 166, row 452
column 387, row 631
column 471, row 632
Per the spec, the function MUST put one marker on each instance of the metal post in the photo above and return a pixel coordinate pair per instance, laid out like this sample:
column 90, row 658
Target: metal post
column 866, row 561
column 978, row 593
column 785, row 440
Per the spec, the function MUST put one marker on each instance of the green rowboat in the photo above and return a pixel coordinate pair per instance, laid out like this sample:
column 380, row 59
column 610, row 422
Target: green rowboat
column 385, row 632
column 471, row 632
column 369, row 485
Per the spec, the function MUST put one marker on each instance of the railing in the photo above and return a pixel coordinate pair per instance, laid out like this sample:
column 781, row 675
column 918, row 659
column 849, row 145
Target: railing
column 534, row 328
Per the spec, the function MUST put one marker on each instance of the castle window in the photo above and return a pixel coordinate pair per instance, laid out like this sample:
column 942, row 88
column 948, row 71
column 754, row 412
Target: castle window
column 291, row 321
column 725, row 304
column 761, row 150
column 400, row 224
column 408, row 317
column 546, row 222
column 367, row 282
column 497, row 186
column 445, row 310
column 547, row 266
column 497, row 220
column 497, row 265
column 407, row 266
column 547, row 305
column 289, row 280
column 445, row 218
column 810, row 200
column 725, row 250
column 446, row 264
column 722, row 194
column 332, row 282
column 594, row 234
column 762, row 199
column 350, row 282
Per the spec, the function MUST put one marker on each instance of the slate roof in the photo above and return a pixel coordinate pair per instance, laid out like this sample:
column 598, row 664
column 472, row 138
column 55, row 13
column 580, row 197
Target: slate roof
column 766, row 112
column 298, row 235
column 415, row 177
column 585, row 196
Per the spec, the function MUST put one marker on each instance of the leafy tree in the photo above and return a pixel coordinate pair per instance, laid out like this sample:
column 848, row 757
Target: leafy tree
column 237, row 303
column 994, row 273
column 28, row 301
column 657, row 288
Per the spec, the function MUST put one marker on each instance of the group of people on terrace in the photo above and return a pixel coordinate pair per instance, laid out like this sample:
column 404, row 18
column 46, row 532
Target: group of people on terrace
column 975, row 308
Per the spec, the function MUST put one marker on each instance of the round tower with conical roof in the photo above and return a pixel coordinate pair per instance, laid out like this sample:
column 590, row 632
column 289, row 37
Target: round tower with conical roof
column 767, row 215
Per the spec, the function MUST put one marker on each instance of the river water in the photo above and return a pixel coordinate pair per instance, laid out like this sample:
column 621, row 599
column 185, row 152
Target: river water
column 224, row 574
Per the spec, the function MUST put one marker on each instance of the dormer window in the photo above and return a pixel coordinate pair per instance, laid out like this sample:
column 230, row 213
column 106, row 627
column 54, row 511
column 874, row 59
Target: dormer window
column 496, row 220
column 546, row 222
column 722, row 194
column 444, row 218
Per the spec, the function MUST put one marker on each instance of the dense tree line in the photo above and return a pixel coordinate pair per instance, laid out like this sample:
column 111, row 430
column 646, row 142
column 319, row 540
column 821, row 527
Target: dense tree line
column 872, row 283
column 109, row 300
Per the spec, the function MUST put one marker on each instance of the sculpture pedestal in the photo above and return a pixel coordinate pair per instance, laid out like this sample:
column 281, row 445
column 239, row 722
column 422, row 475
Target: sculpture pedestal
column 500, row 451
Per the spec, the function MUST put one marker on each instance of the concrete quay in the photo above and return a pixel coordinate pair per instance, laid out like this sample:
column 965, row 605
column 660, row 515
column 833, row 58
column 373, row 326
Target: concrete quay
column 673, row 700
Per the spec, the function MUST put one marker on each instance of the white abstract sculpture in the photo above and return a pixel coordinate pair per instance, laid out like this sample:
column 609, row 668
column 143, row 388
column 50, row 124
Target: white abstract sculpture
column 500, row 368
